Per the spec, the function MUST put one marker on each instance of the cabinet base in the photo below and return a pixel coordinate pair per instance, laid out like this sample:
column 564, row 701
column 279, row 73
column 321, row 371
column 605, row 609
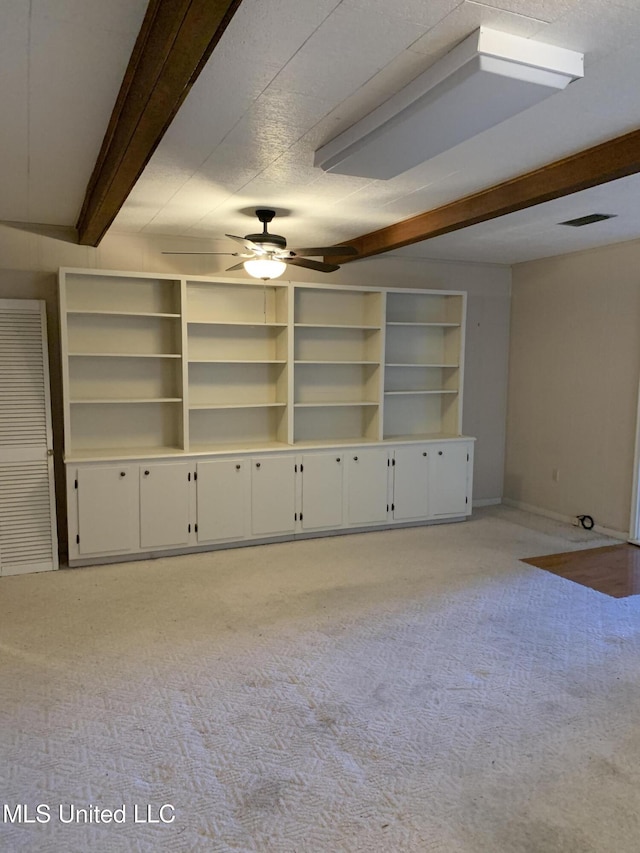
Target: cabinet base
column 248, row 543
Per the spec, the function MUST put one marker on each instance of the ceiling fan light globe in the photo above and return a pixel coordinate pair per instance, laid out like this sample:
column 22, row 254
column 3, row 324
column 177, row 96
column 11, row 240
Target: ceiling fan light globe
column 265, row 268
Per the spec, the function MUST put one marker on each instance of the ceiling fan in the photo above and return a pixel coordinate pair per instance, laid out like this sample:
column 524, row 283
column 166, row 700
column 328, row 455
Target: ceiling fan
column 266, row 255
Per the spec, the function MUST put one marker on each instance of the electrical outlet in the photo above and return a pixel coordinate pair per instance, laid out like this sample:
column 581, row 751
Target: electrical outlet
column 555, row 475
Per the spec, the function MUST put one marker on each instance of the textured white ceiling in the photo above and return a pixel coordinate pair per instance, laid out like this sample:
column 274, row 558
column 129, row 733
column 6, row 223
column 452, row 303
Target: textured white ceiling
column 287, row 76
column 536, row 232
column 61, row 65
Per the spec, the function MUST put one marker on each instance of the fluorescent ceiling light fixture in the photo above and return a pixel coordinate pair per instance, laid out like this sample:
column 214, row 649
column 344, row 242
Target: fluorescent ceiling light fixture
column 487, row 78
column 265, row 268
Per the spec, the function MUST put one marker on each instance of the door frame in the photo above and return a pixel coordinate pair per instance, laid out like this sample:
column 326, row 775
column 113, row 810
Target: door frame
column 634, row 522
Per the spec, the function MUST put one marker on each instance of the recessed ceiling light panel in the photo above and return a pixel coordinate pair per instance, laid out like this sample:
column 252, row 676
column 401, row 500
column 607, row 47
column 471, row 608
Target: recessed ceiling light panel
column 487, row 78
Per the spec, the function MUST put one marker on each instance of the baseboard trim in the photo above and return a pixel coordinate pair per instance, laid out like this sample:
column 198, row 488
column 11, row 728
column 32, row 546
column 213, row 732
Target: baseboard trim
column 486, row 502
column 566, row 519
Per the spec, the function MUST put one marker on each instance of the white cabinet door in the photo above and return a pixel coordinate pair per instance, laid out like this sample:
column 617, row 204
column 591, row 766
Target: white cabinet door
column 367, row 485
column 107, row 509
column 322, row 489
column 449, row 465
column 272, row 495
column 164, row 505
column 410, row 483
column 221, row 489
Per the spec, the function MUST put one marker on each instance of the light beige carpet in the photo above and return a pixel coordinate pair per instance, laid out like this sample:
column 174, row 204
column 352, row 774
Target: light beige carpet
column 415, row 690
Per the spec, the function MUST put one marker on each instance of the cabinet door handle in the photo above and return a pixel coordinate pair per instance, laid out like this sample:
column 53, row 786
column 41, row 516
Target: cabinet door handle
column 439, row 453
column 355, row 458
column 424, row 452
column 238, row 467
column 146, row 473
column 337, row 459
column 123, row 473
column 257, row 464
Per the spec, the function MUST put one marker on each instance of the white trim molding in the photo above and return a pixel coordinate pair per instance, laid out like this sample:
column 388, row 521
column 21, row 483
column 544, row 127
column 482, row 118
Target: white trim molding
column 567, row 519
column 480, row 502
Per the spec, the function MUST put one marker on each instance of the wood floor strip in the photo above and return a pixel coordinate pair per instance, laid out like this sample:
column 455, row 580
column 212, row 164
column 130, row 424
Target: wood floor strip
column 613, row 570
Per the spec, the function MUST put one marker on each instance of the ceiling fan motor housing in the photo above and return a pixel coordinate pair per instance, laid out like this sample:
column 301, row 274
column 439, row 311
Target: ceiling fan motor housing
column 275, row 242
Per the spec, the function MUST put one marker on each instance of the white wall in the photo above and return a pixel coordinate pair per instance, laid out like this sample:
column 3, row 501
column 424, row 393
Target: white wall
column 31, row 255
column 573, row 383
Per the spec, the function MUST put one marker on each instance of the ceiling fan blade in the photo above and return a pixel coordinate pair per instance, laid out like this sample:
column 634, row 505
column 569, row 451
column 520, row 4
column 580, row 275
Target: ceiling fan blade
column 235, row 267
column 230, row 254
column 311, row 265
column 248, row 244
column 326, row 250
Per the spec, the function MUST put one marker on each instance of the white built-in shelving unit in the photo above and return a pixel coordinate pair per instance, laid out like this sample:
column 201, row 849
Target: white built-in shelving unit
column 157, row 364
column 122, row 371
column 204, row 412
column 337, row 357
column 424, row 357
column 237, row 364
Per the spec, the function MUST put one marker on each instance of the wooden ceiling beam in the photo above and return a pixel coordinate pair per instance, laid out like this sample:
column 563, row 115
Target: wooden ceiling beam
column 175, row 41
column 616, row 158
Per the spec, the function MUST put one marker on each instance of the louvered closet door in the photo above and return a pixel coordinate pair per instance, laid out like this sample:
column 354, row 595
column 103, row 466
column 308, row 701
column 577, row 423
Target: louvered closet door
column 28, row 540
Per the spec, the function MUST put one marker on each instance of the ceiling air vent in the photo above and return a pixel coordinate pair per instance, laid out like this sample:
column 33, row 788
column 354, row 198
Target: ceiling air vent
column 588, row 220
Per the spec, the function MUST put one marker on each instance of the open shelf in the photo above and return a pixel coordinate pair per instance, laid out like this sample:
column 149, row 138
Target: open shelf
column 108, row 400
column 203, row 406
column 124, row 378
column 336, row 403
column 419, row 364
column 423, row 345
column 146, row 426
column 121, row 295
column 237, row 384
column 337, row 344
column 346, row 383
column 235, row 323
column 423, row 325
column 239, row 446
column 237, row 361
column 309, row 443
column 121, row 453
column 124, row 355
column 337, row 308
column 327, row 361
column 419, row 391
column 418, row 378
column 222, row 426
column 412, row 308
column 236, row 342
column 422, row 436
column 118, row 334
column 230, row 303
column 336, row 326
column 125, row 314
column 336, row 423
column 420, row 414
